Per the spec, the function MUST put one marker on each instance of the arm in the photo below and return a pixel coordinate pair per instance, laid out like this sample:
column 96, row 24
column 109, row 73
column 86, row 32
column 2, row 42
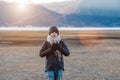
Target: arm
column 44, row 51
column 64, row 49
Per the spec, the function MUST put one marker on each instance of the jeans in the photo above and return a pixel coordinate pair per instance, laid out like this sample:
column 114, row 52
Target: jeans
column 54, row 75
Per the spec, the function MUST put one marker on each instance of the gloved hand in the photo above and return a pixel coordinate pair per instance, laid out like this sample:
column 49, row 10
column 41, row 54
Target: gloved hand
column 54, row 46
column 58, row 46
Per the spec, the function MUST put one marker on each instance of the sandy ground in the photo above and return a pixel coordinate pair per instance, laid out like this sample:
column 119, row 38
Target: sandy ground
column 90, row 59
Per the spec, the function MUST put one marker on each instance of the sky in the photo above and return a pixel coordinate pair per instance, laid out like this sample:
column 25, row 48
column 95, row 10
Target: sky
column 33, row 1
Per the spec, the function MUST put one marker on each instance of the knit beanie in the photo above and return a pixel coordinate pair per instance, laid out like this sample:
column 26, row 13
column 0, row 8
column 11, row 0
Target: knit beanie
column 53, row 29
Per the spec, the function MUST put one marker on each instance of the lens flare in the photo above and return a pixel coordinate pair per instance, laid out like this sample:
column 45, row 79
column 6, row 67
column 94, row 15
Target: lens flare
column 88, row 37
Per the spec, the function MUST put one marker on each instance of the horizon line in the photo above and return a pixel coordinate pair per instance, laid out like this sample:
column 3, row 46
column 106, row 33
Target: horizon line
column 60, row 28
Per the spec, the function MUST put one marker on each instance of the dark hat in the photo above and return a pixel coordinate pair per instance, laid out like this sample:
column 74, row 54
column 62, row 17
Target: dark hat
column 53, row 29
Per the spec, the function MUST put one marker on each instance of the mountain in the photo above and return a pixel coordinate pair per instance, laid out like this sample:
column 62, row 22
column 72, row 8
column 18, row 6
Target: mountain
column 88, row 12
column 35, row 15
column 57, row 6
column 78, row 13
column 77, row 6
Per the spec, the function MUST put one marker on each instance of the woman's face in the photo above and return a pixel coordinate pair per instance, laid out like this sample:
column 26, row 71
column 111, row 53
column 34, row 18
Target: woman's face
column 53, row 34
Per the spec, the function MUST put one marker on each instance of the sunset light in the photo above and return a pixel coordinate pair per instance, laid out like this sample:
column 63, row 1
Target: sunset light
column 46, row 1
column 35, row 1
column 21, row 5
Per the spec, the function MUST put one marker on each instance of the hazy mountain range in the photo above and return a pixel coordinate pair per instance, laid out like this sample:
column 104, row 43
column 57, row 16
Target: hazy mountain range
column 77, row 6
column 68, row 13
column 36, row 15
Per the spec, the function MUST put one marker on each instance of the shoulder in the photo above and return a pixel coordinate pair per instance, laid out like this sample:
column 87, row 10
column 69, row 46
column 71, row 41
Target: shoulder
column 45, row 42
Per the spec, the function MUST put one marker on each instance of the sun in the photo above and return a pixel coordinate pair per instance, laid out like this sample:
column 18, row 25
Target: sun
column 35, row 1
column 21, row 5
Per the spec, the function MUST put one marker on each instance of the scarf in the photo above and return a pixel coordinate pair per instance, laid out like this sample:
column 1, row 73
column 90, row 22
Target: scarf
column 52, row 40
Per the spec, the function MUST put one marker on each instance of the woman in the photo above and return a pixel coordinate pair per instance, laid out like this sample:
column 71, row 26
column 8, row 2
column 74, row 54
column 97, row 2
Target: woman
column 53, row 49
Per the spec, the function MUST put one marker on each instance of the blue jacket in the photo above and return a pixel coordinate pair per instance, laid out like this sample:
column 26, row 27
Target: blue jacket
column 54, row 59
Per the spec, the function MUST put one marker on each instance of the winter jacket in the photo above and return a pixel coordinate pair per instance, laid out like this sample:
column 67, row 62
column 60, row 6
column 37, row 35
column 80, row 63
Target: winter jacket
column 54, row 59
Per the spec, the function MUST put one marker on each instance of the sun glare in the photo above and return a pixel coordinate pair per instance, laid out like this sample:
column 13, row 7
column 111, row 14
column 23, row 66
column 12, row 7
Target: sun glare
column 45, row 1
column 22, row 5
column 35, row 1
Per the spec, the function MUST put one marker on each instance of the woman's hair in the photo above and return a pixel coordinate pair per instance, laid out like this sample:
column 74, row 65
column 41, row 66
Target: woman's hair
column 53, row 29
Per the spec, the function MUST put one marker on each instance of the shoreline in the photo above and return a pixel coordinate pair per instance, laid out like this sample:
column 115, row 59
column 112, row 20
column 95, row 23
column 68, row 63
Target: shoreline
column 60, row 28
column 33, row 38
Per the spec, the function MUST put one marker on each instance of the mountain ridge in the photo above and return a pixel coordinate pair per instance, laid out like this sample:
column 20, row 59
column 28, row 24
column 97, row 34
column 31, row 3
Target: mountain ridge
column 40, row 15
column 36, row 15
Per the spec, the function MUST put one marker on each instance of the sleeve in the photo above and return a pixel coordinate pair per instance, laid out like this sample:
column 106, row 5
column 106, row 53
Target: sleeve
column 44, row 51
column 64, row 49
